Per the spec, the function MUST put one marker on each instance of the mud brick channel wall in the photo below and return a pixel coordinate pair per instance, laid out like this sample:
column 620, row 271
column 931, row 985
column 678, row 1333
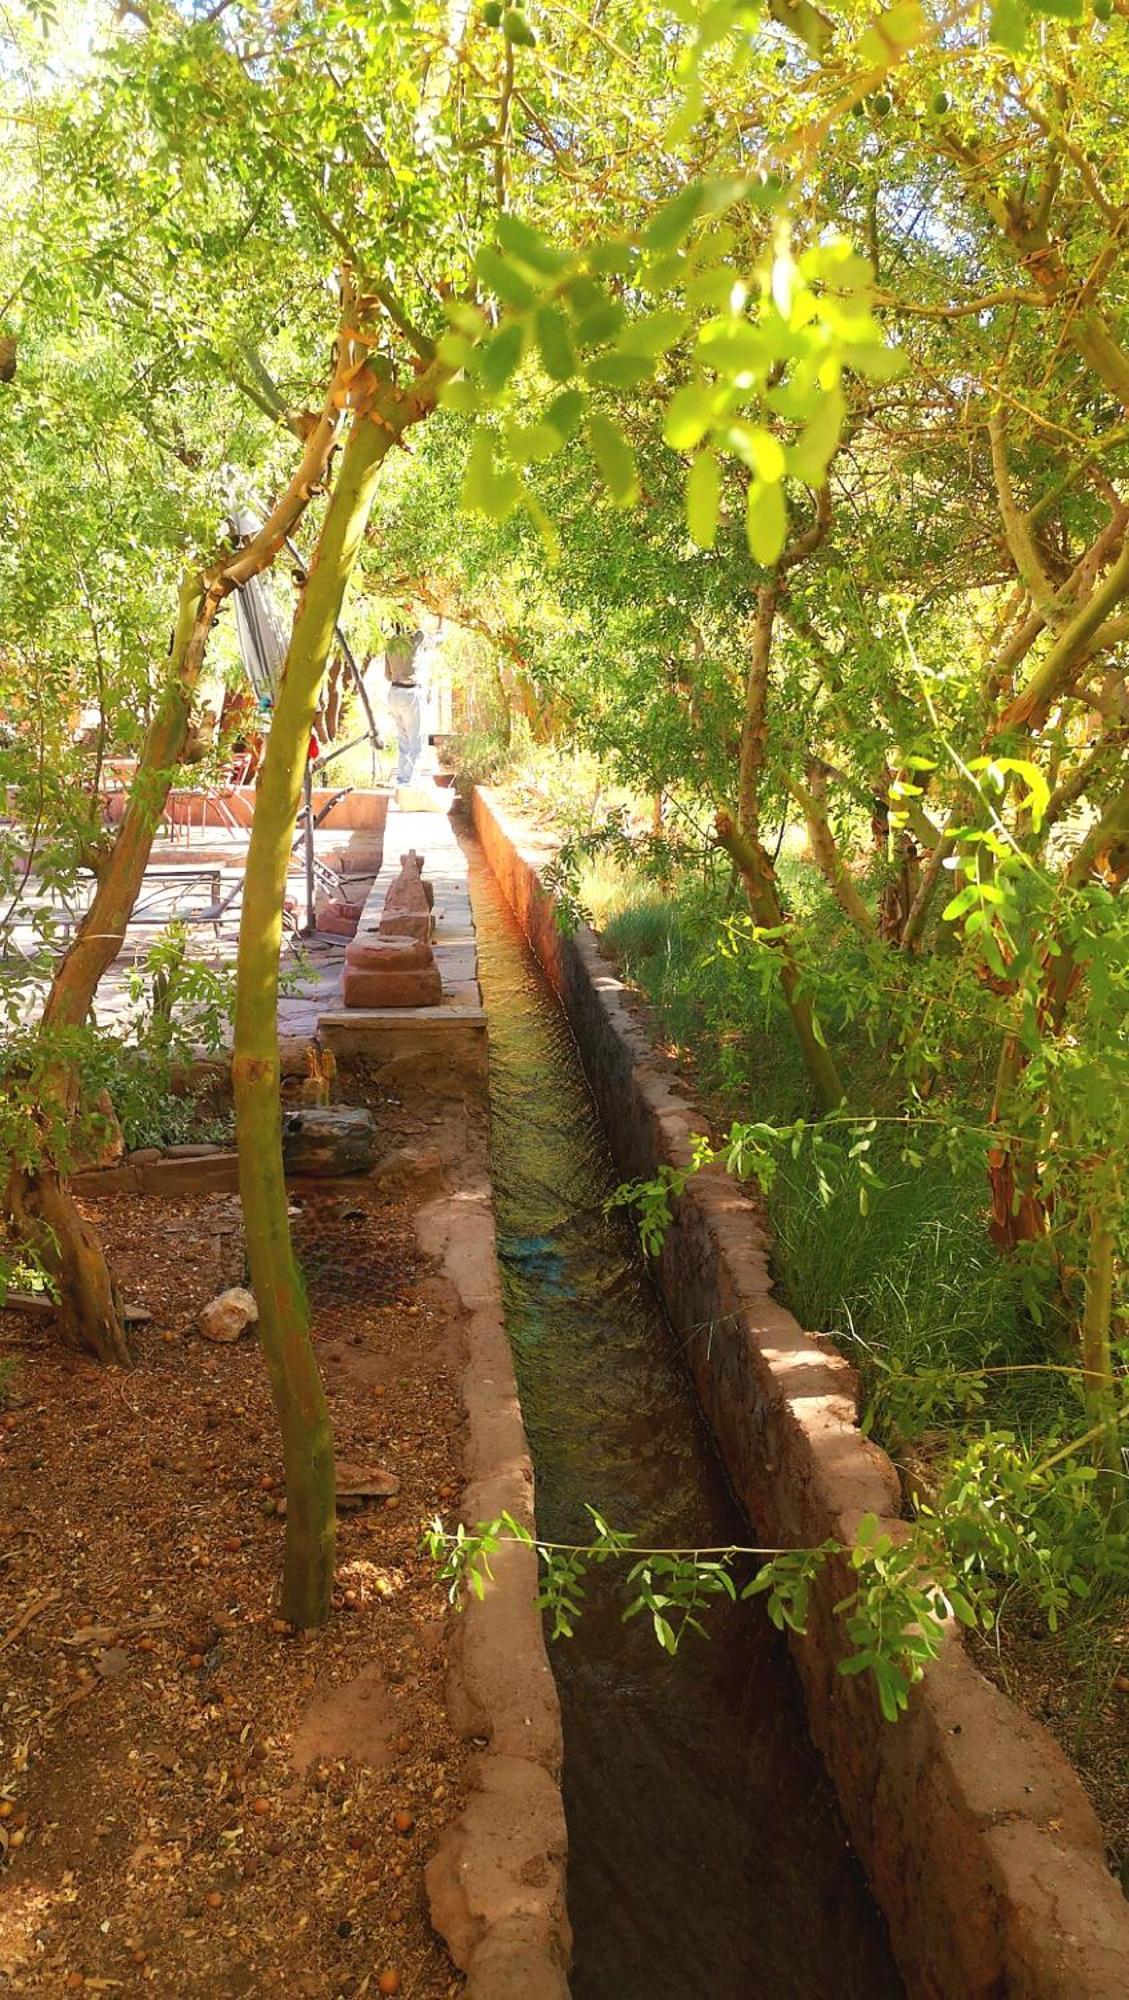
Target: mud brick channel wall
column 978, row 1839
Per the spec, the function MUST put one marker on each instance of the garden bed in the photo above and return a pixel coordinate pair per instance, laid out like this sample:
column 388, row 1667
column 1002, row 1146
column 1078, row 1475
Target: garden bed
column 197, row 1800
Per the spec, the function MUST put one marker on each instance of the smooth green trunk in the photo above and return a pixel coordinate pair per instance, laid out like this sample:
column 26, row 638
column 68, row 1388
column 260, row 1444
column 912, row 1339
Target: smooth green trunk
column 296, row 1386
column 757, row 876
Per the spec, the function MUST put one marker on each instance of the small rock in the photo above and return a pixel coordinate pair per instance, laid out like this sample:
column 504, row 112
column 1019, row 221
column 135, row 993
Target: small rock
column 144, row 1156
column 202, row 1150
column 229, row 1315
column 113, row 1662
column 357, row 1483
column 409, row 1166
column 329, row 1139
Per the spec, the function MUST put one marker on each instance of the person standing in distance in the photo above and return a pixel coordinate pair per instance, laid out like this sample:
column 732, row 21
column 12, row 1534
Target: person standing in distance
column 404, row 695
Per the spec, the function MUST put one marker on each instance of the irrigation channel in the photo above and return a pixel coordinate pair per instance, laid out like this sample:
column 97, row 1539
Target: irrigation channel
column 707, row 1855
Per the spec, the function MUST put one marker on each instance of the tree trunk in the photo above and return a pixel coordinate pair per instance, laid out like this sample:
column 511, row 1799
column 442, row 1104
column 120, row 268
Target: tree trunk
column 90, row 1316
column 1018, row 1211
column 812, row 801
column 1019, row 1208
column 296, row 1387
column 40, row 1207
column 759, row 882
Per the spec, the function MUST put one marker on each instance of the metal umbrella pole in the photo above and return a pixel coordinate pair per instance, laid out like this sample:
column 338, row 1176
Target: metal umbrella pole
column 308, row 811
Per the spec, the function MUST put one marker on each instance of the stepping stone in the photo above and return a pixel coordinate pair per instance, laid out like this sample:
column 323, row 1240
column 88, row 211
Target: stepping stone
column 328, row 1139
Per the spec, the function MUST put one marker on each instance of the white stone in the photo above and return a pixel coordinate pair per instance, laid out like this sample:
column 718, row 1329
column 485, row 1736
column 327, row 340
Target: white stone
column 226, row 1317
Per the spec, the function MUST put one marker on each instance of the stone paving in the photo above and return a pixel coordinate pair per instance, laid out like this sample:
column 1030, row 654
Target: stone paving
column 311, row 966
column 457, row 1026
column 432, row 837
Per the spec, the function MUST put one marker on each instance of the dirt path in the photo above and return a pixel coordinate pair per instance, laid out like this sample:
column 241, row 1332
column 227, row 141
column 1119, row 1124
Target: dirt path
column 197, row 1802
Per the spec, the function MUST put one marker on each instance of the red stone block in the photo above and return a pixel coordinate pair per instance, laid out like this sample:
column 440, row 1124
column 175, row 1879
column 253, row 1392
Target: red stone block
column 333, row 924
column 408, row 924
column 408, row 904
column 422, row 987
column 377, row 954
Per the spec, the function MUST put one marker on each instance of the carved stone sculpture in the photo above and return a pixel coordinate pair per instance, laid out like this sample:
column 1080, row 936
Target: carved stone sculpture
column 395, row 967
column 407, row 907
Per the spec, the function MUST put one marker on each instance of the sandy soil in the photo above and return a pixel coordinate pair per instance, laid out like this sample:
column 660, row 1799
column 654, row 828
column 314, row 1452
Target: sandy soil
column 196, row 1801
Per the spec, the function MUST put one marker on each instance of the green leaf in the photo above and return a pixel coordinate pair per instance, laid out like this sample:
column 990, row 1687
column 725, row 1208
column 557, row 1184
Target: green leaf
column 962, row 901
column 550, row 540
column 478, row 479
column 566, row 411
column 615, row 458
column 618, row 371
column 1011, row 23
column 501, row 355
column 1038, row 796
column 703, row 499
column 758, row 449
column 501, row 277
column 901, row 27
column 533, row 444
column 554, row 342
column 876, row 361
column 688, row 416
column 664, row 1632
column 600, row 322
column 615, row 257
column 518, row 239
column 712, row 289
column 503, row 495
column 766, row 521
column 485, row 489
column 469, row 319
column 675, row 219
column 460, row 395
column 810, row 456
column 734, row 347
column 653, row 333
column 456, row 351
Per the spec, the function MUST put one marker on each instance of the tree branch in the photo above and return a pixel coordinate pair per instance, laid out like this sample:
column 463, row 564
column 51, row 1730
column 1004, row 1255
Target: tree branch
column 1053, row 675
column 1020, row 540
column 812, row 801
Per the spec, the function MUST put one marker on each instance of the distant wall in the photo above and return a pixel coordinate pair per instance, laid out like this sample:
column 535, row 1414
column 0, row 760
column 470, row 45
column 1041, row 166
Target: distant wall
column 360, row 810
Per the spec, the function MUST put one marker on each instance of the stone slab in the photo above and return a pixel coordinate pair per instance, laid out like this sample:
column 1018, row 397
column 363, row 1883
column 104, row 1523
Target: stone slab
column 409, row 1053
column 332, row 924
column 377, row 1029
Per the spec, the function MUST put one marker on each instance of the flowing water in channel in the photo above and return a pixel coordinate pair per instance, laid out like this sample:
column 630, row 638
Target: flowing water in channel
column 707, row 1855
